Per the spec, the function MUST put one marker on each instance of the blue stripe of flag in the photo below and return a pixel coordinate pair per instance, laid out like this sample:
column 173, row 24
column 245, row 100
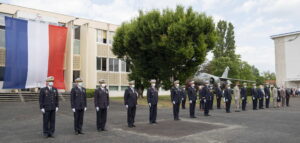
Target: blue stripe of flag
column 16, row 62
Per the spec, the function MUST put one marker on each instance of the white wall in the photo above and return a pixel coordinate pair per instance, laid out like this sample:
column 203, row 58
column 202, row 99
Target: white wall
column 292, row 55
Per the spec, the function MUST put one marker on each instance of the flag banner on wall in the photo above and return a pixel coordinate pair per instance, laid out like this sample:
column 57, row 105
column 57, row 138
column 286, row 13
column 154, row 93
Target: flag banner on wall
column 34, row 51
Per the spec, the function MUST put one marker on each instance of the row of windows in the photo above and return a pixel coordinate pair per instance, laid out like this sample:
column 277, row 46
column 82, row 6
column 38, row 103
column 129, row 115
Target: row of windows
column 114, row 65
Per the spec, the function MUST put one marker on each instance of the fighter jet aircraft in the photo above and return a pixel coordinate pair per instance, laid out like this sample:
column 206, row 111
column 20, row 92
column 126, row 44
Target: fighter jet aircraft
column 200, row 78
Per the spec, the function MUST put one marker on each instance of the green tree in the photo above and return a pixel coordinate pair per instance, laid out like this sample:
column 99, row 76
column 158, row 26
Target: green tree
column 165, row 45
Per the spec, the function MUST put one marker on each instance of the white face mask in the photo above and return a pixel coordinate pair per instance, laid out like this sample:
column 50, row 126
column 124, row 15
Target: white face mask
column 153, row 84
column 245, row 86
column 177, row 85
column 254, row 86
column 103, row 85
column 207, row 84
column 80, row 84
column 50, row 84
column 193, row 85
column 228, row 87
column 132, row 86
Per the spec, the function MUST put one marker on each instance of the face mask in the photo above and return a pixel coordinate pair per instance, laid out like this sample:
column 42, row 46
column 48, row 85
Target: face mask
column 50, row 83
column 153, row 84
column 183, row 88
column 206, row 84
column 254, row 86
column 193, row 85
column 245, row 86
column 103, row 85
column 177, row 85
column 229, row 87
column 80, row 84
column 132, row 86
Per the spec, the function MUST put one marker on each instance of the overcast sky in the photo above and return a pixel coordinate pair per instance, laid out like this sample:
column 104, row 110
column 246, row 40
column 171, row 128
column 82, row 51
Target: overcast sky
column 254, row 20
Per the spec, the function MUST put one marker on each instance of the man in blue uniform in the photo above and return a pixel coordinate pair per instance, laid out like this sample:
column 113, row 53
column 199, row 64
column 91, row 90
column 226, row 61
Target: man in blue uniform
column 152, row 99
column 183, row 95
column 227, row 97
column 130, row 101
column 207, row 98
column 261, row 95
column 176, row 99
column 101, row 100
column 267, row 94
column 78, row 105
column 192, row 99
column 48, row 100
column 254, row 96
column 244, row 96
column 218, row 92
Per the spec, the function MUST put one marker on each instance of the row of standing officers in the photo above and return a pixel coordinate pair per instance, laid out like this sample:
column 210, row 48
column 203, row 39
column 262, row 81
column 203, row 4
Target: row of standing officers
column 179, row 95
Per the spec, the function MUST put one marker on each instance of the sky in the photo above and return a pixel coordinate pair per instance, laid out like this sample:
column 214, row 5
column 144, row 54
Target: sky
column 254, row 20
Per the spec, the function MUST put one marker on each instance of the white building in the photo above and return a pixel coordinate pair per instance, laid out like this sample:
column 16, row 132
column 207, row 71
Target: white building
column 287, row 59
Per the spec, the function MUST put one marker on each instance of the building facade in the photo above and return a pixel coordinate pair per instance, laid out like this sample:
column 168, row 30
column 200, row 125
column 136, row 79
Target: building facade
column 287, row 58
column 88, row 50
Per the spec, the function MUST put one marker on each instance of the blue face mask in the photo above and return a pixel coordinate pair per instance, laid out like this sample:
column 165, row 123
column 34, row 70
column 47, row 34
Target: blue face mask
column 50, row 84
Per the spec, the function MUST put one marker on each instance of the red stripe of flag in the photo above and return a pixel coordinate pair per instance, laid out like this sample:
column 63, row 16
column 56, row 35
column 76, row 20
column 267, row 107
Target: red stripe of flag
column 57, row 45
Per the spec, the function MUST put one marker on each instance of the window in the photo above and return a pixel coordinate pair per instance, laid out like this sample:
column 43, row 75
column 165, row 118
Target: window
column 2, row 37
column 1, row 73
column 124, row 66
column 116, row 65
column 77, row 32
column 76, row 74
column 101, row 64
column 101, row 36
column 76, row 47
column 123, row 88
column 111, row 37
column 113, row 88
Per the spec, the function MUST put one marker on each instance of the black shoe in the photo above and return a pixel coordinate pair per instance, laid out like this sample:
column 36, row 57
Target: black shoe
column 133, row 126
column 155, row 122
column 76, row 133
column 103, row 129
column 130, row 126
column 80, row 132
column 50, row 136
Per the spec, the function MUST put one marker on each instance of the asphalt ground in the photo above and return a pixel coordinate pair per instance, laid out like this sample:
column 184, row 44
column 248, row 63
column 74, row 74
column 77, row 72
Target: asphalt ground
column 22, row 122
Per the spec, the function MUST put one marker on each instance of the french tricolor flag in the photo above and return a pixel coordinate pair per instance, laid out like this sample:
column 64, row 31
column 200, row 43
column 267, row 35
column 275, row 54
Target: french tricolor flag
column 34, row 51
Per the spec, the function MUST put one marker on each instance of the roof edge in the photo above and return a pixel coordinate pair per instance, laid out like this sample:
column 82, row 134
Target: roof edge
column 285, row 34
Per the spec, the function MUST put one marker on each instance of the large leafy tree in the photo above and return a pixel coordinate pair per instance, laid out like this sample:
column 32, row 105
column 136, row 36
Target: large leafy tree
column 164, row 45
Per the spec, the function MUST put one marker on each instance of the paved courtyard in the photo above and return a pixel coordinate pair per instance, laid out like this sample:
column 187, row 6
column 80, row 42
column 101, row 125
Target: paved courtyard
column 22, row 122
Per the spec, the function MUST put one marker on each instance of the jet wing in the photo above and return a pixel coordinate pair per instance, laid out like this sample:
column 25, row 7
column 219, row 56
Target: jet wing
column 222, row 78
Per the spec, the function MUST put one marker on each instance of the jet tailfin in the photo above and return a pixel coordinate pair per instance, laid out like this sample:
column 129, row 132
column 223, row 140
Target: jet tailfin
column 225, row 73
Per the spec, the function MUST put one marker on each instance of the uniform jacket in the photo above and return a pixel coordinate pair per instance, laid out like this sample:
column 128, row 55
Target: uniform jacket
column 78, row 97
column 183, row 93
column 267, row 92
column 101, row 98
column 218, row 92
column 152, row 96
column 130, row 97
column 274, row 93
column 254, row 93
column 192, row 94
column 48, row 98
column 244, row 93
column 227, row 94
column 205, row 93
column 260, row 93
column 236, row 93
column 176, row 94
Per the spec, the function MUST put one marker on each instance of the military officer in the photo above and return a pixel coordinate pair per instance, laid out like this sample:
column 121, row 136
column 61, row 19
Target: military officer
column 176, row 99
column 192, row 98
column 288, row 93
column 201, row 103
column 267, row 94
column 227, row 97
column 237, row 96
column 275, row 96
column 152, row 99
column 130, row 101
column 218, row 92
column 101, row 101
column 244, row 96
column 78, row 105
column 48, row 100
column 261, row 95
column 206, row 95
column 254, row 96
column 183, row 95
